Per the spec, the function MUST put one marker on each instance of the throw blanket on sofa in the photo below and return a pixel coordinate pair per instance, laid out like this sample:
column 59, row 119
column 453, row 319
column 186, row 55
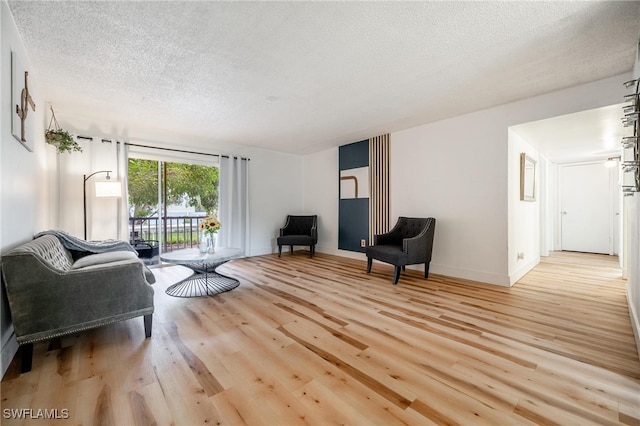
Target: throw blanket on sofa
column 76, row 244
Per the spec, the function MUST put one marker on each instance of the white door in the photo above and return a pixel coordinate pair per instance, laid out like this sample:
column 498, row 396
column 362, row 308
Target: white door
column 586, row 208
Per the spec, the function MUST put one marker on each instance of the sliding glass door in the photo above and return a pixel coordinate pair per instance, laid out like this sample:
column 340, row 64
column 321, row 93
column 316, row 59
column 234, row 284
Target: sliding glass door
column 168, row 200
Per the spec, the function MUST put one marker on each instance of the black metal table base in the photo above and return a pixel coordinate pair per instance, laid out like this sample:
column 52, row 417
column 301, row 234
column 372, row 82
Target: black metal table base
column 205, row 282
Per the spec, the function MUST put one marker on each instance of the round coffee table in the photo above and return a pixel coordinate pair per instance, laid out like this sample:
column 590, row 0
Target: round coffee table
column 205, row 281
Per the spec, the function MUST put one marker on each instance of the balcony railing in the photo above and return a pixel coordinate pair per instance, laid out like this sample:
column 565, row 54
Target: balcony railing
column 178, row 231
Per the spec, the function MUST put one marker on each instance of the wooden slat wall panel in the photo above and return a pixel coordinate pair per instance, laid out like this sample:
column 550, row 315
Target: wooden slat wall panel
column 379, row 184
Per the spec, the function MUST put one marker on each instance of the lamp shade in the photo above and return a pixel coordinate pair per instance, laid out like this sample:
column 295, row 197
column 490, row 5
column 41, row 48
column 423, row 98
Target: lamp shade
column 108, row 189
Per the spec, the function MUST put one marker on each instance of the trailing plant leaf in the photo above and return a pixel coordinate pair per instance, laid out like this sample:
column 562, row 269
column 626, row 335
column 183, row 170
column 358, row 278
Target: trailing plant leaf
column 62, row 140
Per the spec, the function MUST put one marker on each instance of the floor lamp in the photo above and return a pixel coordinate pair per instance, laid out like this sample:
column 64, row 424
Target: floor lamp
column 111, row 189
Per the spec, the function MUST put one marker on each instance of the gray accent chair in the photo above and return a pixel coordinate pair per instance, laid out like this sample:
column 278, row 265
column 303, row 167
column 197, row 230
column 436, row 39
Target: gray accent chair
column 51, row 294
column 299, row 231
column 410, row 242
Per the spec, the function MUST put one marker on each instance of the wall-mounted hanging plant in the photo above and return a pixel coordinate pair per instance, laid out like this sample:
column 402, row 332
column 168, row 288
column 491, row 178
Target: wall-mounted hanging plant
column 61, row 139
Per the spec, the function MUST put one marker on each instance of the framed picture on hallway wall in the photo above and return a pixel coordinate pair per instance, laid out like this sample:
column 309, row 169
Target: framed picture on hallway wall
column 22, row 105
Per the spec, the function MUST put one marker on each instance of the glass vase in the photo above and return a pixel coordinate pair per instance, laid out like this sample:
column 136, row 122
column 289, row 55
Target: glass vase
column 203, row 242
column 207, row 242
column 211, row 243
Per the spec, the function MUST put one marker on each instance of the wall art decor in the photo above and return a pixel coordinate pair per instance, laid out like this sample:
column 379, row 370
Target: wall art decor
column 21, row 102
column 354, row 183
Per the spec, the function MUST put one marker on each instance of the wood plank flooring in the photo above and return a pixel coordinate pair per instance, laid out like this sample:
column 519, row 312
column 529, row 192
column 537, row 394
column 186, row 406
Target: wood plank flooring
column 319, row 342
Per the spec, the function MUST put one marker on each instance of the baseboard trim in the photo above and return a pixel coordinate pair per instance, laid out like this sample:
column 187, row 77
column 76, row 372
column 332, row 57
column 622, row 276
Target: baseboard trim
column 469, row 274
column 635, row 320
column 523, row 270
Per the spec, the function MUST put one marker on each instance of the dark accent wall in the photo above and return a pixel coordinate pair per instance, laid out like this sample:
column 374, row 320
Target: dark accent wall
column 353, row 215
column 354, row 155
column 353, row 224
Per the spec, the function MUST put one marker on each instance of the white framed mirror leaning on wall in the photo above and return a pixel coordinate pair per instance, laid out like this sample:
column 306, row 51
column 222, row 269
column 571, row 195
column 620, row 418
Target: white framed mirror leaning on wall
column 527, row 178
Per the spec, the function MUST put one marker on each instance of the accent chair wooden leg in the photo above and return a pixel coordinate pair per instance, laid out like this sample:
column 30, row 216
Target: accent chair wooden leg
column 26, row 357
column 426, row 270
column 310, row 251
column 396, row 274
column 148, row 323
column 291, row 249
column 369, row 263
column 279, row 250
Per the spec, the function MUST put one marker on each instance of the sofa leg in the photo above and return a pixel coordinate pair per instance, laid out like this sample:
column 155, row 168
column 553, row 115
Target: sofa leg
column 26, row 357
column 148, row 323
column 310, row 251
column 396, row 274
column 369, row 263
column 291, row 249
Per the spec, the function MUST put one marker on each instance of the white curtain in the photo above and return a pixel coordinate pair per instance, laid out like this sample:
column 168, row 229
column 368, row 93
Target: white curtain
column 234, row 203
column 105, row 217
column 123, row 203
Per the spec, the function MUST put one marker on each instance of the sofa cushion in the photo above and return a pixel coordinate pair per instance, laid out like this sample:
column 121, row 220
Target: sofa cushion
column 100, row 258
column 295, row 240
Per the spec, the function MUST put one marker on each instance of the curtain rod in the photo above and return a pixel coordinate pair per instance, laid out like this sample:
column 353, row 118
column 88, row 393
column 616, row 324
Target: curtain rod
column 185, row 151
column 167, row 149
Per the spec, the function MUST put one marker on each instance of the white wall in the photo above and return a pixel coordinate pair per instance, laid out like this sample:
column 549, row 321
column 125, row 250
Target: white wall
column 455, row 170
column 275, row 190
column 632, row 249
column 24, row 176
column 321, row 196
column 524, row 216
column 549, row 206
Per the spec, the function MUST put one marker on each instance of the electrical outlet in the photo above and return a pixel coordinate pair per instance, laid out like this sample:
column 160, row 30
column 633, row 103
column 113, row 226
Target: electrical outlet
column 520, row 256
column 363, row 243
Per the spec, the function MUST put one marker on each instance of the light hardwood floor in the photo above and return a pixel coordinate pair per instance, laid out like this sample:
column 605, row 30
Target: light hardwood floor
column 318, row 341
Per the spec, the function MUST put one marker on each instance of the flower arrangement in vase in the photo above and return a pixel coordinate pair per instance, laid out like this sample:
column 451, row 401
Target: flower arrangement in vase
column 209, row 226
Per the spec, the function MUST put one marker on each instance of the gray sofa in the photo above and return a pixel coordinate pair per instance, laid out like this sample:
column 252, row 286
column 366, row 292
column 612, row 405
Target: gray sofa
column 53, row 291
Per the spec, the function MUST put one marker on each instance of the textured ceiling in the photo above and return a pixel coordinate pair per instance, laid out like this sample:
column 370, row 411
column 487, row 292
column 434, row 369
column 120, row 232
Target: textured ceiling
column 304, row 76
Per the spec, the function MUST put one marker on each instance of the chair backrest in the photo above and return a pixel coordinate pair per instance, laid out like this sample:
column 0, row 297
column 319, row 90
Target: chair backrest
column 409, row 227
column 300, row 225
